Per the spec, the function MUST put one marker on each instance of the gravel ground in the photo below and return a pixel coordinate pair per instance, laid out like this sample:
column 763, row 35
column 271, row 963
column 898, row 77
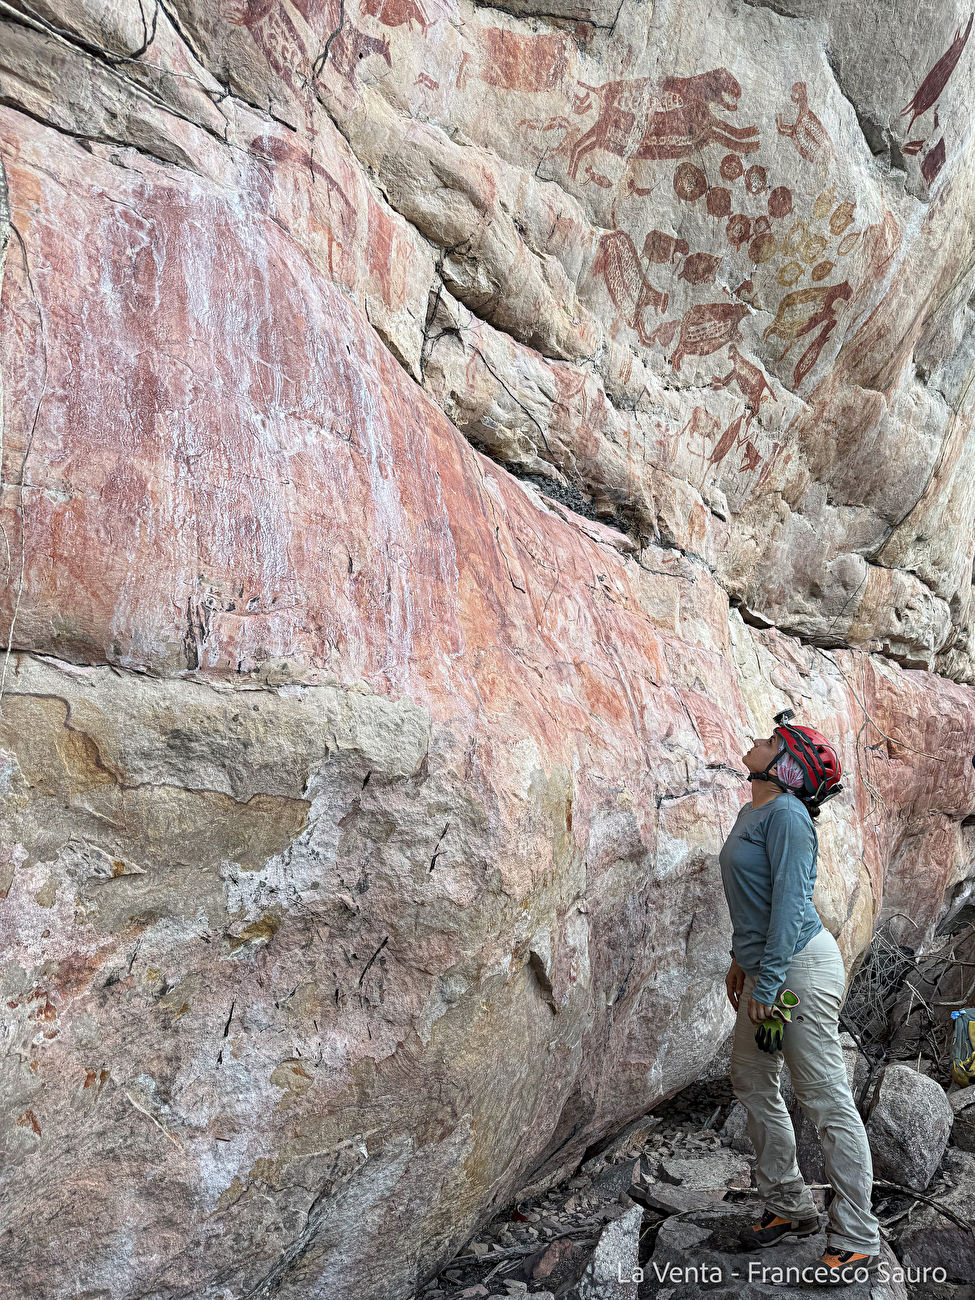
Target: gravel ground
column 576, row 1210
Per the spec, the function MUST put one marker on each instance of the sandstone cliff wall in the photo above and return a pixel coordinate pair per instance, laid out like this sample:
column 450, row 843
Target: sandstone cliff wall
column 436, row 436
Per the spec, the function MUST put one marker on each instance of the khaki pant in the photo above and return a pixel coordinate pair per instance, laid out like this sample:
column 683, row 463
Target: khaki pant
column 811, row 1048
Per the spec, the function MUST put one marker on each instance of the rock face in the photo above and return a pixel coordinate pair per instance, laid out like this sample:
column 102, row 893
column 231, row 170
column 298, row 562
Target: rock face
column 435, row 438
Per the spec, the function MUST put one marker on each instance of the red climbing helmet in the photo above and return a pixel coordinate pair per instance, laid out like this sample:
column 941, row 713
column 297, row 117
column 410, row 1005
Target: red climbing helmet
column 814, row 754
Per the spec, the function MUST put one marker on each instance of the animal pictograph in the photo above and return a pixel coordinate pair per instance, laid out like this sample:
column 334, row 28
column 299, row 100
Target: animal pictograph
column 706, row 328
column 678, row 120
column 933, row 161
column 661, row 247
column 351, row 46
column 618, row 262
column 618, row 105
column 751, row 381
column 700, row 268
column 801, row 312
column 730, row 438
column 275, row 35
column 397, row 13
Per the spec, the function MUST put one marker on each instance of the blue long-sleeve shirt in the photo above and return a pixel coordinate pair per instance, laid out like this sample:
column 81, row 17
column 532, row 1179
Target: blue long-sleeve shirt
column 768, row 869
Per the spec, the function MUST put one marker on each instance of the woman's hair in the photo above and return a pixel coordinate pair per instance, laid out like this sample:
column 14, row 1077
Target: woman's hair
column 792, row 776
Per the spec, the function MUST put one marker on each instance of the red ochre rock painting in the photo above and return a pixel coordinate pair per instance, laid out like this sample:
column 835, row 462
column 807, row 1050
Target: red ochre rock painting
column 673, row 132
column 520, row 731
column 523, row 63
column 736, row 436
column 756, row 178
column 660, row 247
column 730, row 438
column 807, row 133
column 663, row 335
column 780, row 201
column 719, row 202
column 731, row 167
column 750, row 380
column 750, row 459
column 700, row 268
column 399, row 13
column 618, row 263
column 841, row 217
column 706, row 328
column 619, row 104
column 802, row 311
column 738, row 230
column 690, row 182
column 351, row 46
column 746, row 292
column 679, row 118
column 930, row 89
column 932, row 163
column 274, row 33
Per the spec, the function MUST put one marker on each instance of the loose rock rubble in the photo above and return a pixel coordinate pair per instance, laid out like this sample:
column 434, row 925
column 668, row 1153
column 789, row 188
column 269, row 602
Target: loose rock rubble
column 927, row 1238
column 656, row 1213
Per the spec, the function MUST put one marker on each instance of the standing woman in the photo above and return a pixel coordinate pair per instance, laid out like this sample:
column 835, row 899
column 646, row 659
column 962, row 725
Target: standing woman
column 768, row 869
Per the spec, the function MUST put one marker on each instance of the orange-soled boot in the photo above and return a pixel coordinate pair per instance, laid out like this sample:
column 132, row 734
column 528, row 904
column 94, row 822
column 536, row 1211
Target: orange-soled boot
column 840, row 1268
column 774, row 1227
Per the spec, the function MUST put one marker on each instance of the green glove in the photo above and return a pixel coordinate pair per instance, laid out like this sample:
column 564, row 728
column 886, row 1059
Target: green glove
column 769, row 1033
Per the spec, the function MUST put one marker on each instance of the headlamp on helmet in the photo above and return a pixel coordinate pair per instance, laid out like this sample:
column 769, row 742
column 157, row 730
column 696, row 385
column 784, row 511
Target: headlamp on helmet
column 815, row 755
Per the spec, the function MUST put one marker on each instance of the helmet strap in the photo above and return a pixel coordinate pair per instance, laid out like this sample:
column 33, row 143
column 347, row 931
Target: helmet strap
column 767, row 775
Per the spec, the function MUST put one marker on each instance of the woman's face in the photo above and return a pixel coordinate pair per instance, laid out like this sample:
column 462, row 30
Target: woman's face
column 761, row 753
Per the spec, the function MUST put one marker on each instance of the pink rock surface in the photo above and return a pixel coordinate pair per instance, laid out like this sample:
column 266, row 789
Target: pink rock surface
column 374, row 559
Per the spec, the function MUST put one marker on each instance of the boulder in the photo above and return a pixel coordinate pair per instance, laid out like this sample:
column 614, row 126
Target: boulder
column 929, row 1239
column 908, row 1126
column 699, row 1173
column 611, row 1271
column 735, row 1129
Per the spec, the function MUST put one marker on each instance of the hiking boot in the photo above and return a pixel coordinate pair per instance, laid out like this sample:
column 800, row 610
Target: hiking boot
column 774, row 1227
column 842, row 1266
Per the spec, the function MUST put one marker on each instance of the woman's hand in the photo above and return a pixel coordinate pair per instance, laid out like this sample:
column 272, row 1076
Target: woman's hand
column 758, row 1011
column 734, row 983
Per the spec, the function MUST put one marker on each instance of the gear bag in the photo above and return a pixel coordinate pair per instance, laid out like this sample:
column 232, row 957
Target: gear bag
column 963, row 1047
